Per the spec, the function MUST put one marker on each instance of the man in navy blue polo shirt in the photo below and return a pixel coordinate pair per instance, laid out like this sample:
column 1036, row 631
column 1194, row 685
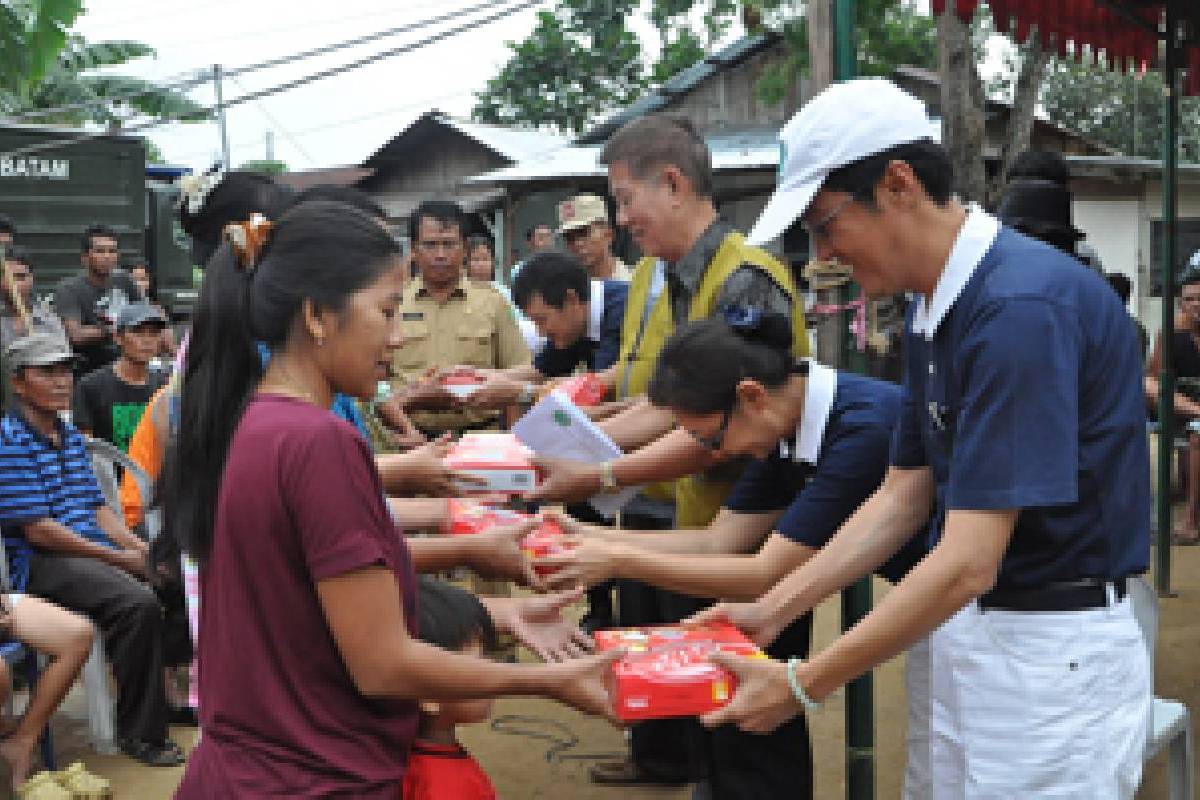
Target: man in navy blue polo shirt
column 1023, row 431
column 67, row 546
column 579, row 317
column 820, row 439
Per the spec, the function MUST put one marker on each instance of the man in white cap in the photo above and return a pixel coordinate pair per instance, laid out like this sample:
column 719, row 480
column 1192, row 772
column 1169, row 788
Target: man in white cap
column 584, row 226
column 1023, row 434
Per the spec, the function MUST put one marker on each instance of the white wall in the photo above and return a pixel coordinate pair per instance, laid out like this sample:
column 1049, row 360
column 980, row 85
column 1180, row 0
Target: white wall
column 1112, row 228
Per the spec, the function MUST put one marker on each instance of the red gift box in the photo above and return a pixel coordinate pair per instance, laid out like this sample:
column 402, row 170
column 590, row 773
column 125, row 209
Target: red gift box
column 583, row 390
column 467, row 518
column 462, row 383
column 665, row 671
column 544, row 540
column 499, row 459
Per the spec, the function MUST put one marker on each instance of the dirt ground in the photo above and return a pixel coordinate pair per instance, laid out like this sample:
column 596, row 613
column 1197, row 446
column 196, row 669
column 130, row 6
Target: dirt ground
column 528, row 752
column 536, row 749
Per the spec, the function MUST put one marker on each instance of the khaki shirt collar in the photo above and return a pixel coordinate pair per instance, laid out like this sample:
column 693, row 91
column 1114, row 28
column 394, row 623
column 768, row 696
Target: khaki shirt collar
column 420, row 292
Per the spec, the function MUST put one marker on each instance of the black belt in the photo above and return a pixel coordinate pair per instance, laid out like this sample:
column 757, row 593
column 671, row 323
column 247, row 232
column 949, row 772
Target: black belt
column 1061, row 596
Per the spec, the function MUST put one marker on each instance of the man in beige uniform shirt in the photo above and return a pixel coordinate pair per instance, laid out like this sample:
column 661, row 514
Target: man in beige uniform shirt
column 447, row 319
column 584, row 225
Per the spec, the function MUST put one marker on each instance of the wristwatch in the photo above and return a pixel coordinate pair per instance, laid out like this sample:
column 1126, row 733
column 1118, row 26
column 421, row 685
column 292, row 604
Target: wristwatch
column 810, row 705
column 608, row 481
column 526, row 395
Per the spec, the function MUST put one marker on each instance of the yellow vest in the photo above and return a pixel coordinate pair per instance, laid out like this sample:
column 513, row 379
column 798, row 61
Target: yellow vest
column 643, row 335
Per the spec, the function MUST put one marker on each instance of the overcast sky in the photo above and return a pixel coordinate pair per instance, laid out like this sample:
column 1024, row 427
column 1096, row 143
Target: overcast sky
column 339, row 120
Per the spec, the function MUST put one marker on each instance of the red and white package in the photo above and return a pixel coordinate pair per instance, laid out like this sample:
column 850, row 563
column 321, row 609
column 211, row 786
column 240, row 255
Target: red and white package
column 544, row 540
column 666, row 671
column 498, row 459
column 464, row 517
column 583, row 390
column 462, row 383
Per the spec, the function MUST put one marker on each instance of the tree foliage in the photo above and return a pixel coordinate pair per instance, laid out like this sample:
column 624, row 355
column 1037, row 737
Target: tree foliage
column 1120, row 109
column 44, row 66
column 888, row 34
column 265, row 167
column 579, row 60
column 582, row 60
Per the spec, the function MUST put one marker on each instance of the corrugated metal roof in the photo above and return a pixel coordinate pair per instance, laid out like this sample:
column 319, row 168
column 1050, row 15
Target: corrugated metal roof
column 681, row 83
column 515, row 144
column 731, row 150
column 511, row 144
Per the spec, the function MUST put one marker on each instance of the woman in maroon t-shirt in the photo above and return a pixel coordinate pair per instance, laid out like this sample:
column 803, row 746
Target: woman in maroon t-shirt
column 308, row 666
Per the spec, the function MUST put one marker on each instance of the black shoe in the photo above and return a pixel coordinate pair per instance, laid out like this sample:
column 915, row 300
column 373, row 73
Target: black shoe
column 164, row 754
column 182, row 715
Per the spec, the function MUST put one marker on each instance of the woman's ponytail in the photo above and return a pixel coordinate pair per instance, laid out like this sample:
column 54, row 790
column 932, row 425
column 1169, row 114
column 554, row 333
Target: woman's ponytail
column 222, row 369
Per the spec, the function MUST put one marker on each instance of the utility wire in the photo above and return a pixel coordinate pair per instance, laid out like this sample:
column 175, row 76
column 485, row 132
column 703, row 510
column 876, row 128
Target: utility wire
column 362, row 62
column 271, row 118
column 341, row 123
column 205, row 74
column 289, row 85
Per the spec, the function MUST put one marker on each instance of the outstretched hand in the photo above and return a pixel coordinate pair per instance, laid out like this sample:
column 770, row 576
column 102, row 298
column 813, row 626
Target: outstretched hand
column 763, row 699
column 752, row 619
column 583, row 683
column 585, row 561
column 539, row 624
column 565, row 481
column 497, row 553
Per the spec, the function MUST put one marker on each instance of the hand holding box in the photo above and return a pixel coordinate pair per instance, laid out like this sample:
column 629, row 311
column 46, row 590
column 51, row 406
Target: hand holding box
column 666, row 671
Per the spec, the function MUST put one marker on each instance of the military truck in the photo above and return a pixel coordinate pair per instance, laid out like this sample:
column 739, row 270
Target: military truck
column 55, row 182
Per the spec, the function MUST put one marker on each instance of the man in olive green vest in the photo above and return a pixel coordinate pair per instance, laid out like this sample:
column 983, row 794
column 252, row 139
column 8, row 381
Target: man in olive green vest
column 695, row 266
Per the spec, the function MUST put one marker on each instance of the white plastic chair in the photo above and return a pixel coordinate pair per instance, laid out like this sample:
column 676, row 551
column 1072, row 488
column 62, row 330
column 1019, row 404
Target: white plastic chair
column 100, row 700
column 1170, row 720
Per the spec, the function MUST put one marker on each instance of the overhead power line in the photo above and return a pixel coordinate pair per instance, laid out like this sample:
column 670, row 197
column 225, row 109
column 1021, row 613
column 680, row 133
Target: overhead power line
column 363, row 62
column 294, row 84
column 205, row 74
column 359, row 40
column 342, row 123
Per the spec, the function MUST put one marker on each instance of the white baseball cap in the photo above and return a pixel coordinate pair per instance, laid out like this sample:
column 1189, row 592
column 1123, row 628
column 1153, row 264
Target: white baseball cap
column 846, row 122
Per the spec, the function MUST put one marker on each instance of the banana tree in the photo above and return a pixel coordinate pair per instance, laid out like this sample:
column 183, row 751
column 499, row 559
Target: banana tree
column 44, row 67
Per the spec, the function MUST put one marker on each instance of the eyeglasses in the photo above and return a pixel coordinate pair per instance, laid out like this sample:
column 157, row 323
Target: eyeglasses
column 713, row 442
column 820, row 230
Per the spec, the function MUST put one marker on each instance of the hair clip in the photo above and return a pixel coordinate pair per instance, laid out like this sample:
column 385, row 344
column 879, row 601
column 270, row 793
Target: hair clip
column 195, row 189
column 248, row 239
column 742, row 319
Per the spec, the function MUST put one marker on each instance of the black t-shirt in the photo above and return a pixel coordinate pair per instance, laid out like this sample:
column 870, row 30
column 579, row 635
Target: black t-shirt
column 78, row 299
column 111, row 408
column 1185, row 357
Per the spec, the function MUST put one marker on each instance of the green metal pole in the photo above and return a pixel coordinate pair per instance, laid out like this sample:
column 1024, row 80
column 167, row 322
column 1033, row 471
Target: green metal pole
column 856, row 600
column 1166, row 389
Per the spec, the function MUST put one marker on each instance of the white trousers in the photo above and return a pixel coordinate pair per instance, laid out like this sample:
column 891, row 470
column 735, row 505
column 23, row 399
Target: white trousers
column 1007, row 705
column 917, row 782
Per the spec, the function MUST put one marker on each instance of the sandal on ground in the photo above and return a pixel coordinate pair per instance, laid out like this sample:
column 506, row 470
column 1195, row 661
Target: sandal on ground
column 165, row 754
column 42, row 786
column 83, row 785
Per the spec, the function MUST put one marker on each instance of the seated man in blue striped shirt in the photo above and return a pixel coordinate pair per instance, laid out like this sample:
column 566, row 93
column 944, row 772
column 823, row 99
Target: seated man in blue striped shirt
column 67, row 546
